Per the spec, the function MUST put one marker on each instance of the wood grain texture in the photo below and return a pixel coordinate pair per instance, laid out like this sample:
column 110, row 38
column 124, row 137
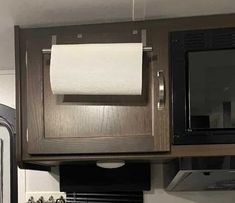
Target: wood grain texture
column 161, row 124
column 176, row 151
column 203, row 150
column 92, row 145
column 34, row 99
column 162, row 118
column 18, row 96
column 121, row 125
column 95, row 120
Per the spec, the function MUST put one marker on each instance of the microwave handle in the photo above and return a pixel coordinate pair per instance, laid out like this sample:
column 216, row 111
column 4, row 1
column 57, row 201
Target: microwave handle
column 161, row 90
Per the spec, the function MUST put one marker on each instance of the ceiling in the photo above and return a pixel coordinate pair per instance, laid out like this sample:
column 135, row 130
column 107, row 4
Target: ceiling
column 51, row 12
column 34, row 13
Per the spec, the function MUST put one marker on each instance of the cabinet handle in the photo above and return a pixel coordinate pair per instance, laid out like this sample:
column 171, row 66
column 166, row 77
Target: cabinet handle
column 161, row 90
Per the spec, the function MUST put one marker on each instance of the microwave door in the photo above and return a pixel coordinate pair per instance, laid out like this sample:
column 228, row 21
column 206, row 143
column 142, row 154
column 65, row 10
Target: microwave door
column 203, row 69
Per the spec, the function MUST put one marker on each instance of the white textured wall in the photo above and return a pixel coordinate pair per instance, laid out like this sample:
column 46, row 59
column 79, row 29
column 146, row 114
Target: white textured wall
column 7, row 87
column 42, row 181
column 6, row 37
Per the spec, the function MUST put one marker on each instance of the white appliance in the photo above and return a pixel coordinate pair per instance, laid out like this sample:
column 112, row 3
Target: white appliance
column 8, row 167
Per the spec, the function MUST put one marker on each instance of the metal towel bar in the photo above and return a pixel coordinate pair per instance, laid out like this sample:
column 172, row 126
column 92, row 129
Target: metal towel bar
column 145, row 49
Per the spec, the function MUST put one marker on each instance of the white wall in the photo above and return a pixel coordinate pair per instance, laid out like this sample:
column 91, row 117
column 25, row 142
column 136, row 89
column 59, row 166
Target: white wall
column 6, row 38
column 7, row 87
column 42, row 181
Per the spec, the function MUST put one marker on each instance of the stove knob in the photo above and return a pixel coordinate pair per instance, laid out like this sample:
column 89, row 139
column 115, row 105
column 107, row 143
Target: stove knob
column 41, row 200
column 60, row 200
column 31, row 200
column 51, row 200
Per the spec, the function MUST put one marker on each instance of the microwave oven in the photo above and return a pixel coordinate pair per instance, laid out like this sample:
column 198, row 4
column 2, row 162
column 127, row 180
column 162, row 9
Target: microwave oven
column 203, row 86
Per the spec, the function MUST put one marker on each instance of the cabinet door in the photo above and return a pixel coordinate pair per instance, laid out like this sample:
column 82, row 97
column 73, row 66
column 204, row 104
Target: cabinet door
column 74, row 124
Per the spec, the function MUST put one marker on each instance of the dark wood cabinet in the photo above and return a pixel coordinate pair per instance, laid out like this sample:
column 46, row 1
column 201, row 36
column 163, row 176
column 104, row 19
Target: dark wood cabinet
column 76, row 125
column 53, row 129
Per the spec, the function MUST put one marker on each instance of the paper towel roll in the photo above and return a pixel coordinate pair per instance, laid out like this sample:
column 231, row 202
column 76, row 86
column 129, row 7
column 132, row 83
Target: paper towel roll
column 97, row 69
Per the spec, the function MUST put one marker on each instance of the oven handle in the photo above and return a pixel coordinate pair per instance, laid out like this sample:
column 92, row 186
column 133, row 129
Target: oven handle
column 161, row 90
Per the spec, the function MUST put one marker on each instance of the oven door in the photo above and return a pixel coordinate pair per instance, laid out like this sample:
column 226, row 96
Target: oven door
column 203, row 74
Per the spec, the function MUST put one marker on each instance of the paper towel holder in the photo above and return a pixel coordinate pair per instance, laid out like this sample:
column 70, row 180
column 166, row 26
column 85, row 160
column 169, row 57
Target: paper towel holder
column 139, row 100
column 145, row 49
column 143, row 40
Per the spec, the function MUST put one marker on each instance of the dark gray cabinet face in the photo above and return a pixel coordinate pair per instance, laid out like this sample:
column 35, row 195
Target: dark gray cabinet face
column 211, row 89
column 84, row 124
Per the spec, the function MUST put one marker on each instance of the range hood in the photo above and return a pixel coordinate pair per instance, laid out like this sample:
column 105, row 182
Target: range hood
column 90, row 182
column 89, row 177
column 204, row 173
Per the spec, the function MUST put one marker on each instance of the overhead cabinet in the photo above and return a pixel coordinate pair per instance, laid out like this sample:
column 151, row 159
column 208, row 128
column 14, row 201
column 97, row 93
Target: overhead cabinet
column 50, row 124
column 53, row 128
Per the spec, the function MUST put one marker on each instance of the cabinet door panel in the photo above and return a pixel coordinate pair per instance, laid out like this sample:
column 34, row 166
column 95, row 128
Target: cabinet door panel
column 75, row 124
column 91, row 119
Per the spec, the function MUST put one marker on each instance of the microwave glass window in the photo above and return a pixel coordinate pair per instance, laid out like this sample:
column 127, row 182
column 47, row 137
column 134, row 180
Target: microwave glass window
column 211, row 92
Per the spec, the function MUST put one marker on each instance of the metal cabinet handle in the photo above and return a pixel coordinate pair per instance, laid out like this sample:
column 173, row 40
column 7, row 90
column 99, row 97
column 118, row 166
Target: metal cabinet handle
column 161, row 90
